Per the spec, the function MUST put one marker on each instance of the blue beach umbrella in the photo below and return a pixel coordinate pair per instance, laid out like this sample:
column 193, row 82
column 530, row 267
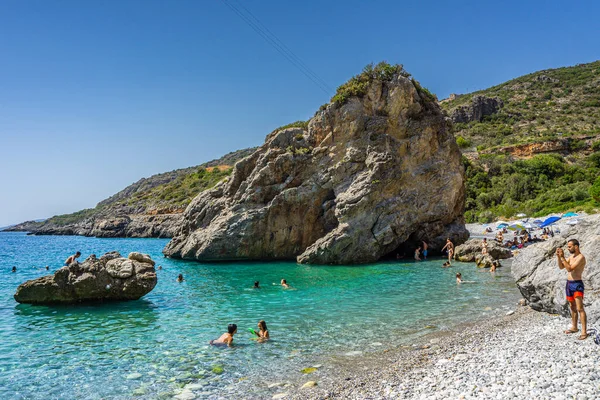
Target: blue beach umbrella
column 538, row 222
column 570, row 214
column 549, row 221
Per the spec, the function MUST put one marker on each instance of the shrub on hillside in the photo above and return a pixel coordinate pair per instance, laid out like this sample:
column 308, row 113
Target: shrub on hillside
column 595, row 190
column 462, row 142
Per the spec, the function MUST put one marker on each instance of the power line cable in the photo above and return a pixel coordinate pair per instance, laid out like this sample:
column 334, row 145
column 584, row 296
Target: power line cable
column 285, row 48
column 290, row 57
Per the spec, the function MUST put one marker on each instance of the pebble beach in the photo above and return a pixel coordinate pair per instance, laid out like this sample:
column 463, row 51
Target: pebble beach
column 524, row 355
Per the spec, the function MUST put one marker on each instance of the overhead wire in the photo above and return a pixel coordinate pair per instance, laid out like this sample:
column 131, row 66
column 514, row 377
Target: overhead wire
column 281, row 48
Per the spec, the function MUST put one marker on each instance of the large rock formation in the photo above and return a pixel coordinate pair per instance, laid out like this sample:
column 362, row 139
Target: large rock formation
column 480, row 106
column 468, row 251
column 108, row 278
column 366, row 176
column 542, row 283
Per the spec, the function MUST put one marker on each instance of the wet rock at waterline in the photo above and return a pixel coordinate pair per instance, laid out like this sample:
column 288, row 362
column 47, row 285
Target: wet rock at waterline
column 108, row 278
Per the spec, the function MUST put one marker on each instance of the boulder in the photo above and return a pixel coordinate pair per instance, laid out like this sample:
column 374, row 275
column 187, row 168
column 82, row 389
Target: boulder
column 467, row 251
column 486, row 261
column 480, row 107
column 108, row 278
column 542, row 283
column 368, row 174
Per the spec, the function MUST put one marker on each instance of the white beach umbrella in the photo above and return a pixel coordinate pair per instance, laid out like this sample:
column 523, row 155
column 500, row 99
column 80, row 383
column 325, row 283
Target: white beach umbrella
column 521, row 215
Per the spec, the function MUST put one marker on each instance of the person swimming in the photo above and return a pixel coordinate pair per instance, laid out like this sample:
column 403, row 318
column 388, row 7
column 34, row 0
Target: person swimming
column 226, row 338
column 458, row 277
column 446, row 265
column 256, row 286
column 159, row 267
column 14, row 269
column 263, row 332
column 285, row 284
column 180, row 278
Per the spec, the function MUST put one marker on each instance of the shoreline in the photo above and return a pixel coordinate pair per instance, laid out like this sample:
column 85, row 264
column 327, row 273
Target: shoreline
column 521, row 355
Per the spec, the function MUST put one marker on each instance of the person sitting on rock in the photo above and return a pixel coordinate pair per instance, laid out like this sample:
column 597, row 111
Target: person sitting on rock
column 417, row 253
column 14, row 269
column 285, row 284
column 256, row 285
column 180, row 278
column 226, row 338
column 484, row 246
column 72, row 259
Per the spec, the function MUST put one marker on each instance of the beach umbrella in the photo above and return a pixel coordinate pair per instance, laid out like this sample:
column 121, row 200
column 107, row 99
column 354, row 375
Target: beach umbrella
column 528, row 226
column 570, row 214
column 516, row 227
column 573, row 222
column 502, row 225
column 521, row 215
column 538, row 222
column 549, row 221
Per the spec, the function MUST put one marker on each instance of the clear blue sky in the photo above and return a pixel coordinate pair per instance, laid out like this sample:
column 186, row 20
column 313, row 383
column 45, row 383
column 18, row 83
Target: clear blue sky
column 96, row 95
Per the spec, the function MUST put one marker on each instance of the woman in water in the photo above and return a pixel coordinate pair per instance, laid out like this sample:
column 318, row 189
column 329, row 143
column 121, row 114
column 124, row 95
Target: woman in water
column 263, row 332
column 458, row 277
column 285, row 284
column 180, row 278
column 226, row 338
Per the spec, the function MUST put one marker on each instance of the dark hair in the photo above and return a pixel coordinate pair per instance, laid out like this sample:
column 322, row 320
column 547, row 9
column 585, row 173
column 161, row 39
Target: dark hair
column 78, row 253
column 283, row 281
column 180, row 277
column 458, row 274
column 574, row 241
column 262, row 324
column 231, row 328
column 255, row 283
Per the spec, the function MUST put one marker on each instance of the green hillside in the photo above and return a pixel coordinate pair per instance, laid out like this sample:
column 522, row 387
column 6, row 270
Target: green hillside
column 552, row 109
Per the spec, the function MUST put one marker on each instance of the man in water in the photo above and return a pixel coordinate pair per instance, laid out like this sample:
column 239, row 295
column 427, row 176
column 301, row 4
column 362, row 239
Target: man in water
column 256, row 285
column 14, row 269
column 417, row 252
column 226, row 338
column 180, row 278
column 574, row 266
column 458, row 277
column 425, row 247
column 285, row 284
column 450, row 247
column 72, row 258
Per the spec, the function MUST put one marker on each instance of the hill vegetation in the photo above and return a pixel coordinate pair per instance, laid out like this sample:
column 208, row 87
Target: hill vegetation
column 550, row 106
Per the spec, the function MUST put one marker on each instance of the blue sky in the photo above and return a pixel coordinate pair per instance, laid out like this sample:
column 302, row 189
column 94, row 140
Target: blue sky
column 96, row 95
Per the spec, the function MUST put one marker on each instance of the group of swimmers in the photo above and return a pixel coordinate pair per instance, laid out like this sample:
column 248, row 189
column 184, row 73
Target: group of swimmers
column 226, row 339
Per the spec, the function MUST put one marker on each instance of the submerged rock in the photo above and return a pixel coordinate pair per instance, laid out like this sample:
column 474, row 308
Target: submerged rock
column 110, row 277
column 365, row 177
column 542, row 283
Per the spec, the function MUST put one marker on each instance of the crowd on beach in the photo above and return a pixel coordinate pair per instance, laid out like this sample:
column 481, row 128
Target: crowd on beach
column 521, row 238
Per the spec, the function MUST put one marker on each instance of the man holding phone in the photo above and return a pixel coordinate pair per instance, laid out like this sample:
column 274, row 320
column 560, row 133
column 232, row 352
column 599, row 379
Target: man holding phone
column 574, row 266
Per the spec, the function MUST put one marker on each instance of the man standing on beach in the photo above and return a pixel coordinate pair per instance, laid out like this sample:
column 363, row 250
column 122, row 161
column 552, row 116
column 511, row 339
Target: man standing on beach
column 574, row 266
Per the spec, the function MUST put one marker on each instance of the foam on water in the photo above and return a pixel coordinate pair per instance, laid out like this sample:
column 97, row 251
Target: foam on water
column 156, row 346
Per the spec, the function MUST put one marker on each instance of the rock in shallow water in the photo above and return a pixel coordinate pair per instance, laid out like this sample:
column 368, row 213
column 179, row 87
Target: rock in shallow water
column 109, row 278
column 366, row 176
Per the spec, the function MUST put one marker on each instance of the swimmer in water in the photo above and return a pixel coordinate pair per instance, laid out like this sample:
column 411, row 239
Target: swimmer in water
column 14, row 269
column 458, row 277
column 256, row 285
column 160, row 267
column 263, row 332
column 285, row 284
column 226, row 338
column 180, row 278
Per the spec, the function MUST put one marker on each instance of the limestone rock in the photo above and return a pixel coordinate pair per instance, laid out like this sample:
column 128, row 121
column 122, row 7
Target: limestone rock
column 366, row 177
column 542, row 283
column 480, row 106
column 143, row 258
column 467, row 251
column 111, row 277
column 486, row 261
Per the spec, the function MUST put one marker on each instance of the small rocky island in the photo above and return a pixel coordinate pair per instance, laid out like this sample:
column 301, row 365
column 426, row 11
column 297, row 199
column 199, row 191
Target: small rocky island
column 376, row 169
column 108, row 278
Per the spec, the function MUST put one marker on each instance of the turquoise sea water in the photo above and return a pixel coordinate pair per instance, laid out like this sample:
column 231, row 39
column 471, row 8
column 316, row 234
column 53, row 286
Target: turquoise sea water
column 153, row 347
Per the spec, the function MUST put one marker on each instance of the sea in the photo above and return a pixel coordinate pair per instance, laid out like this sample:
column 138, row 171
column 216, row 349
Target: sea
column 157, row 347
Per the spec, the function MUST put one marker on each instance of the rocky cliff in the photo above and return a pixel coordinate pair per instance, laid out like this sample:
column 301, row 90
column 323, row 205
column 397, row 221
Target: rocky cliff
column 479, row 107
column 376, row 168
column 542, row 283
column 150, row 207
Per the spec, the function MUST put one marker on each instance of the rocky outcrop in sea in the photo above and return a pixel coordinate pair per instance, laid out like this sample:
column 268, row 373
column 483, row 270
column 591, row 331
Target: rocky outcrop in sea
column 368, row 175
column 470, row 251
column 542, row 283
column 108, row 278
